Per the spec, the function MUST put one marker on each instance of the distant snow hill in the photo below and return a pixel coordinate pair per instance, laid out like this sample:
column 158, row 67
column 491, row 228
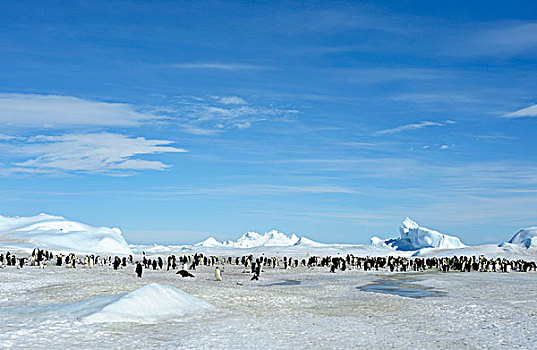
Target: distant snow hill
column 253, row 239
column 58, row 233
column 414, row 237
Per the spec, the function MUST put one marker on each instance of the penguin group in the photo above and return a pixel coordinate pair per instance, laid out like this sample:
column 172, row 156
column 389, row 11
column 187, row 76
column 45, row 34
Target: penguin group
column 39, row 257
column 255, row 266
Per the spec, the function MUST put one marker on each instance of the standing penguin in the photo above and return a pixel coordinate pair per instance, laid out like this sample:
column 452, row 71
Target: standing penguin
column 217, row 274
column 139, row 269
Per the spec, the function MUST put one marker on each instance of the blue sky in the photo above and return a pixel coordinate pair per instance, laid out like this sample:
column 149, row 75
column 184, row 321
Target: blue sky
column 332, row 120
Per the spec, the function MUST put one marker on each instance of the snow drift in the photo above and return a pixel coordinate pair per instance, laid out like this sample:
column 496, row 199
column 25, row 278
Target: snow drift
column 306, row 242
column 414, row 237
column 58, row 233
column 526, row 238
column 151, row 303
column 253, row 239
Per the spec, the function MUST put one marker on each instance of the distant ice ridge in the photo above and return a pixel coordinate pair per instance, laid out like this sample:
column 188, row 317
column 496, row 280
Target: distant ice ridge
column 272, row 238
column 58, row 233
column 526, row 238
column 156, row 248
column 414, row 237
column 151, row 303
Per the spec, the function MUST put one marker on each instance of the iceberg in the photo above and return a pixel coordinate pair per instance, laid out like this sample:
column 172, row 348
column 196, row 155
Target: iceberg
column 58, row 233
column 526, row 238
column 414, row 237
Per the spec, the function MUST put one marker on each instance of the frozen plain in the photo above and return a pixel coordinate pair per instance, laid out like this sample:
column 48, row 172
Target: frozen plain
column 324, row 310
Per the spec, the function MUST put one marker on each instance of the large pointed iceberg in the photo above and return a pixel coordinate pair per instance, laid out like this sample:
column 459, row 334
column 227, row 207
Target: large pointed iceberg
column 414, row 237
column 526, row 238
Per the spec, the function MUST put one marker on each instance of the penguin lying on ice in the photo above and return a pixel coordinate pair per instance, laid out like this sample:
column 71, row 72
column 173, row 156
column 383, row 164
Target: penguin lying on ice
column 184, row 273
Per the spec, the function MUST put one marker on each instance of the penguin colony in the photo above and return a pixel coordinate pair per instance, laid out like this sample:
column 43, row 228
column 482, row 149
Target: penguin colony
column 185, row 263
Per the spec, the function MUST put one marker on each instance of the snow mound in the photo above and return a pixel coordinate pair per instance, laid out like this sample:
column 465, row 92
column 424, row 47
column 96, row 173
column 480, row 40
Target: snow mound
column 151, row 303
column 155, row 248
column 526, row 238
column 253, row 239
column 414, row 237
column 56, row 232
column 306, row 242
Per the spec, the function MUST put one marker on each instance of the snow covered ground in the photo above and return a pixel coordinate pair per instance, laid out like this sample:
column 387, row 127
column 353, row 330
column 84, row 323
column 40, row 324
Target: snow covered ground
column 289, row 309
column 301, row 308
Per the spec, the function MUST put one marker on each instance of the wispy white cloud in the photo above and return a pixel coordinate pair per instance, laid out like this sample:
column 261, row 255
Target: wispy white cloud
column 530, row 111
column 257, row 189
column 493, row 138
column 339, row 18
column 230, row 100
column 104, row 153
column 197, row 115
column 219, row 66
column 510, row 39
column 415, row 126
column 497, row 39
column 6, row 137
column 371, row 75
column 367, row 145
column 203, row 116
column 269, row 189
column 454, row 177
column 434, row 98
column 54, row 110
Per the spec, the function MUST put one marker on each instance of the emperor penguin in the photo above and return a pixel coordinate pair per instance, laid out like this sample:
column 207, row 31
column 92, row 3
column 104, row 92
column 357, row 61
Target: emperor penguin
column 139, row 269
column 217, row 274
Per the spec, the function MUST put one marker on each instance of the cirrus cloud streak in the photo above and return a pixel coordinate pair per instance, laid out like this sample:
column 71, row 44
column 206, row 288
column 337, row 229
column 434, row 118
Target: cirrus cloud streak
column 35, row 110
column 103, row 153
